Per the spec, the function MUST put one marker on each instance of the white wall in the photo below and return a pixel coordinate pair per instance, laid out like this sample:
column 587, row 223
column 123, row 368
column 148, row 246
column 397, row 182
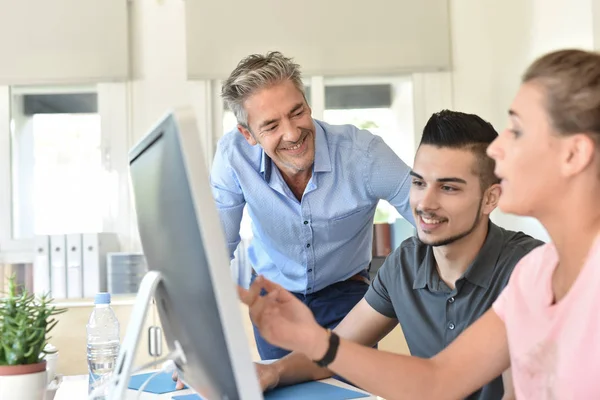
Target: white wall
column 493, row 43
column 158, row 69
column 158, row 64
column 432, row 92
column 403, row 107
column 5, row 167
column 596, row 18
column 159, row 83
column 23, row 163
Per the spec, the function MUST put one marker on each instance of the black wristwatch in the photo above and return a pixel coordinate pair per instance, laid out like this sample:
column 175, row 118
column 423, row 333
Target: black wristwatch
column 334, row 343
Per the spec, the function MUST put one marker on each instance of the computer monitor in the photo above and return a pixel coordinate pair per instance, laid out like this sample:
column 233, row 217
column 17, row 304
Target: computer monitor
column 182, row 238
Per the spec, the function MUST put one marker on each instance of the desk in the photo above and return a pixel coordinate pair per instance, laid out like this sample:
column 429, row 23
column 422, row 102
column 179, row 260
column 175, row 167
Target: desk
column 75, row 387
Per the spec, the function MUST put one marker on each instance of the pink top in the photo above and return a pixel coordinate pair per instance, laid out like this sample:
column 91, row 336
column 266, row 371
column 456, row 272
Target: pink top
column 554, row 349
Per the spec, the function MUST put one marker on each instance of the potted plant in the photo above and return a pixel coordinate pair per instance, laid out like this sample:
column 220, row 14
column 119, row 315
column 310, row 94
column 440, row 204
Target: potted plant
column 25, row 321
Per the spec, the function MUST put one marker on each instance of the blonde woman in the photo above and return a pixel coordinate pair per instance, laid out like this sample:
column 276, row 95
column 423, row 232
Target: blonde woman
column 546, row 323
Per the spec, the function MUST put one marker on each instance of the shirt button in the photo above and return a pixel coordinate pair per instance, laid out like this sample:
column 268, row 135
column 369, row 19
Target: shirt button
column 305, row 222
column 308, row 288
column 451, row 300
column 307, row 245
column 451, row 326
column 310, row 270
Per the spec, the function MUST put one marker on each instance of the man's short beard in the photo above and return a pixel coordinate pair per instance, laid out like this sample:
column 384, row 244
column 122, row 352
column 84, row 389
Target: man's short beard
column 452, row 239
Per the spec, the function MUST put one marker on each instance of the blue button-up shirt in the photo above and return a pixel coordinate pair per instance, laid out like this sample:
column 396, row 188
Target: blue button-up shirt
column 327, row 236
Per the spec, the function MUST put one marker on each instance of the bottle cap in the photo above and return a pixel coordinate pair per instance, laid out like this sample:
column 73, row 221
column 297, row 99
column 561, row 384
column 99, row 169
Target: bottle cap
column 102, row 298
column 50, row 348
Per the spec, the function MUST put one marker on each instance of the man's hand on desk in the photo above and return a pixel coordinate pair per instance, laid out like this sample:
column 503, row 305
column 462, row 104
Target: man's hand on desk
column 268, row 376
column 179, row 385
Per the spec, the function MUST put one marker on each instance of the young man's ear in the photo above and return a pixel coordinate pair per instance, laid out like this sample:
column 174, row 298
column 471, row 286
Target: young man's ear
column 491, row 198
column 247, row 135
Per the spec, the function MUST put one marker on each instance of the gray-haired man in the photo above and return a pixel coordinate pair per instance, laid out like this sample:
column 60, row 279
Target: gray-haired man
column 311, row 190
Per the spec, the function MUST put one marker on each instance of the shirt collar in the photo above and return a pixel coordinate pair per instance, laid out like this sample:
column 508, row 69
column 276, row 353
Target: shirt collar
column 425, row 270
column 322, row 158
column 265, row 165
column 481, row 269
column 480, row 272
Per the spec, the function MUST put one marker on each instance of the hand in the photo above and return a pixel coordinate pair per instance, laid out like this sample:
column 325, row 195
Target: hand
column 282, row 319
column 268, row 376
column 179, row 385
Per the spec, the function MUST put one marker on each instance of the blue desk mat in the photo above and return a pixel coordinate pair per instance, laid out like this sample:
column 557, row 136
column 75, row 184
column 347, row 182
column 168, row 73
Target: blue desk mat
column 301, row 391
column 161, row 383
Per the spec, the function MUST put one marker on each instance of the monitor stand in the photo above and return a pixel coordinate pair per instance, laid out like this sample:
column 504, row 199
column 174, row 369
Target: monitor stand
column 119, row 382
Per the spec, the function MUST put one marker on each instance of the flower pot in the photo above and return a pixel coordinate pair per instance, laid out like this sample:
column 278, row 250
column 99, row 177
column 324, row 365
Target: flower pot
column 23, row 382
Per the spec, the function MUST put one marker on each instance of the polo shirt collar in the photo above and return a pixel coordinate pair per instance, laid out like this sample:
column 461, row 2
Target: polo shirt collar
column 479, row 272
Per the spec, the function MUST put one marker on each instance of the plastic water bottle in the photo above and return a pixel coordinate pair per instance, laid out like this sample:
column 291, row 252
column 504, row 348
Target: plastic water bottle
column 102, row 343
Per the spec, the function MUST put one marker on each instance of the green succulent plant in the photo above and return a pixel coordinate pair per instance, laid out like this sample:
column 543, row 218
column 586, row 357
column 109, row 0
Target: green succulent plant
column 25, row 321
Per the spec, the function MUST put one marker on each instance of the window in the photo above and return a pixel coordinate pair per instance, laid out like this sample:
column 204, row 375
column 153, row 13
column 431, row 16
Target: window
column 229, row 121
column 59, row 184
column 382, row 106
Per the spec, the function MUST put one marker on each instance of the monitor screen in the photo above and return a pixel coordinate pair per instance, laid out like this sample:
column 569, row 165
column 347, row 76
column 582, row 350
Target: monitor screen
column 182, row 238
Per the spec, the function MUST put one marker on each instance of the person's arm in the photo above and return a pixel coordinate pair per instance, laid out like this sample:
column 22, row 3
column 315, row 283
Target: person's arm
column 367, row 323
column 477, row 356
column 387, row 177
column 229, row 198
column 363, row 325
column 509, row 389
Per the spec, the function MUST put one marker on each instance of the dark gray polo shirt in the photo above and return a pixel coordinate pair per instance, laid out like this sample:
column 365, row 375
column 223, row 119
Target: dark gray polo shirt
column 408, row 287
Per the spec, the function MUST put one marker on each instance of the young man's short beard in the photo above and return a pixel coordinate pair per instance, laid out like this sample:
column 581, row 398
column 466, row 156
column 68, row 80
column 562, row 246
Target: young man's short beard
column 452, row 239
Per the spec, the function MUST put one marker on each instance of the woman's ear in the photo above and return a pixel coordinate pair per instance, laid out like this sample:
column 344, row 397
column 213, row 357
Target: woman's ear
column 580, row 151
